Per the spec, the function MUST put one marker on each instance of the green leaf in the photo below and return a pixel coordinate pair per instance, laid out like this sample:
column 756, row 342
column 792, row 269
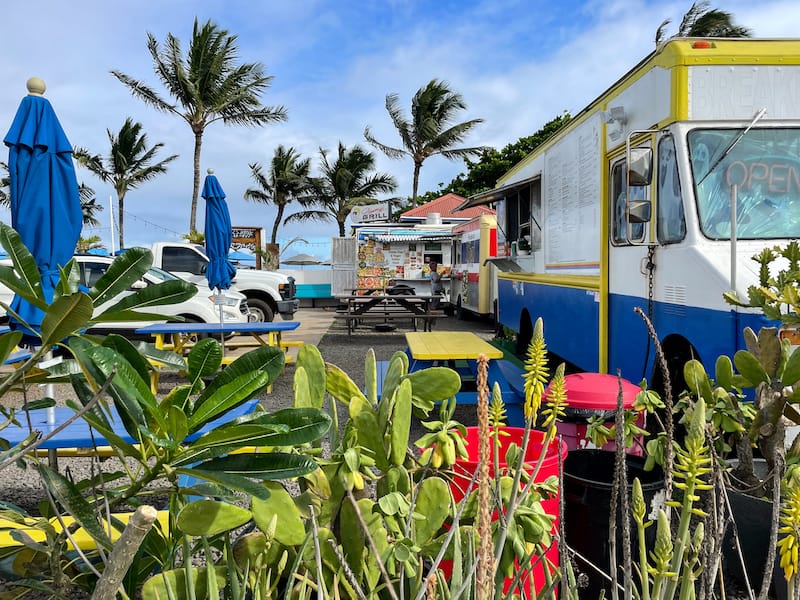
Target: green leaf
column 371, row 377
column 339, row 385
column 694, row 374
column 283, row 428
column 433, row 501
column 166, row 292
column 69, row 279
column 127, row 269
column 229, row 481
column 266, row 359
column 723, row 373
column 177, row 423
column 166, row 357
column 397, row 369
column 171, row 585
column 310, row 359
column 70, row 497
column 130, row 391
column 261, row 465
column 370, row 436
column 24, row 278
column 290, row 529
column 401, row 424
column 770, row 350
column 65, row 316
column 8, row 343
column 432, row 385
column 209, row 517
column 204, row 360
column 125, row 348
column 227, row 397
column 750, row 367
column 791, row 372
column 301, row 387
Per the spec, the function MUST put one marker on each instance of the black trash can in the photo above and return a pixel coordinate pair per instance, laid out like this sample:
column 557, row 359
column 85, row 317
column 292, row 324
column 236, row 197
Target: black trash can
column 588, row 481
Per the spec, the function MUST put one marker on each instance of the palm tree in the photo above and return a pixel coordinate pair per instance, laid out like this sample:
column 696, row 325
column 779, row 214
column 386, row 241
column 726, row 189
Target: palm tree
column 430, row 130
column 89, row 205
column 129, row 164
column 88, row 243
column 207, row 85
column 703, row 21
column 346, row 182
column 286, row 180
column 5, row 184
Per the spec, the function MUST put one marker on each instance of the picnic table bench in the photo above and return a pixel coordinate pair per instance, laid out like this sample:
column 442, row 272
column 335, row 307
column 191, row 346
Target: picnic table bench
column 387, row 308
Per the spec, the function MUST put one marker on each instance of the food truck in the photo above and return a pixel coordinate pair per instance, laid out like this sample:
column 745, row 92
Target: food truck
column 396, row 255
column 473, row 281
column 656, row 196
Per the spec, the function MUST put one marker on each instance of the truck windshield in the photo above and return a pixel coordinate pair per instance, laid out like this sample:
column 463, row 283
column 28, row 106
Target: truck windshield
column 765, row 167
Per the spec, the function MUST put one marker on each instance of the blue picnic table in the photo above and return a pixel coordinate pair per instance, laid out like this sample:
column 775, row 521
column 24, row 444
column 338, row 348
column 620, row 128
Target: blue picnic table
column 79, row 435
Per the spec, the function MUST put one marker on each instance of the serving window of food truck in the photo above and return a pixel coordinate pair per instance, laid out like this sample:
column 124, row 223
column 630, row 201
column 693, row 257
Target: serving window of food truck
column 401, row 256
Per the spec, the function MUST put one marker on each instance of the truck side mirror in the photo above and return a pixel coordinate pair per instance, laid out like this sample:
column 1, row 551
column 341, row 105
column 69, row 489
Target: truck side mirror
column 640, row 166
column 639, row 211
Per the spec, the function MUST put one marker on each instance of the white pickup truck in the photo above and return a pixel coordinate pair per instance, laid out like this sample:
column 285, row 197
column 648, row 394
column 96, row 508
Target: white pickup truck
column 268, row 292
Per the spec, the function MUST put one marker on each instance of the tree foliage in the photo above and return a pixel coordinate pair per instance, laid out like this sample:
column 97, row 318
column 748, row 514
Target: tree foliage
column 703, row 21
column 483, row 173
column 130, row 162
column 347, row 181
column 207, row 85
column 285, row 181
column 430, row 130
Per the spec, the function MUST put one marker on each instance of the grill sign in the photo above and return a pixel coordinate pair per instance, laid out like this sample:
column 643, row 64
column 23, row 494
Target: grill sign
column 371, row 214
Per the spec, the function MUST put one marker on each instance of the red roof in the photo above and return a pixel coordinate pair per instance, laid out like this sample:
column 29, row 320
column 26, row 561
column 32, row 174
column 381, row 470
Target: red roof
column 446, row 206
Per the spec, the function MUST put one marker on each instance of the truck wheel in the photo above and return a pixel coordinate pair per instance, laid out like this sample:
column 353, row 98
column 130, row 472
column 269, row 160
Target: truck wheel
column 459, row 312
column 260, row 309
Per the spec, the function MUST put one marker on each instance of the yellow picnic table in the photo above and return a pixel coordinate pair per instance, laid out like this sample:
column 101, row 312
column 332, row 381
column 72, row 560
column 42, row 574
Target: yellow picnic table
column 449, row 345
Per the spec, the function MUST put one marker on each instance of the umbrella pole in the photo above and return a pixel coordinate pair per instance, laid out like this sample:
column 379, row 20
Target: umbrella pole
column 49, row 389
column 219, row 299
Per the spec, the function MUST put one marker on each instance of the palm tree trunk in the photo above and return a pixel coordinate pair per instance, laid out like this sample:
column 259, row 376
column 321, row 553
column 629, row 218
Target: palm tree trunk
column 198, row 144
column 341, row 228
column 417, row 167
column 121, row 211
column 278, row 219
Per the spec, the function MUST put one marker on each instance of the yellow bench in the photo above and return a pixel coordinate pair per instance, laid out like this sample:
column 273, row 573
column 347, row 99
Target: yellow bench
column 81, row 537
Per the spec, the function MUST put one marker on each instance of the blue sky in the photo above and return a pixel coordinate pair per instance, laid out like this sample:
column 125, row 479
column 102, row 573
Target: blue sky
column 516, row 63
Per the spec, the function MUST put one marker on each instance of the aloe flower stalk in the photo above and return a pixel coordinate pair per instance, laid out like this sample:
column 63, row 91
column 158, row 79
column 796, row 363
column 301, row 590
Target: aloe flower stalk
column 692, row 464
column 639, row 510
column 536, row 372
column 789, row 544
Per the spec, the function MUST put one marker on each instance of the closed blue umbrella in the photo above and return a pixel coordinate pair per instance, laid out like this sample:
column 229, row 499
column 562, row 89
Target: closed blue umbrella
column 45, row 205
column 220, row 270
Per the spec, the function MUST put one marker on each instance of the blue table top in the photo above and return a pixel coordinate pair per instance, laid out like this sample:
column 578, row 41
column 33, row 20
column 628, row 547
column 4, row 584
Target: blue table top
column 77, row 434
column 258, row 327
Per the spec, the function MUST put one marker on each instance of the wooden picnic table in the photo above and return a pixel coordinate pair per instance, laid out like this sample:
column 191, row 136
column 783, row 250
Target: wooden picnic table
column 388, row 308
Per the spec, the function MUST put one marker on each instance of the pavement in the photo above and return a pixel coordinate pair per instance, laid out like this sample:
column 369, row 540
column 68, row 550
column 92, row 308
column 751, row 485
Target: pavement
column 314, row 324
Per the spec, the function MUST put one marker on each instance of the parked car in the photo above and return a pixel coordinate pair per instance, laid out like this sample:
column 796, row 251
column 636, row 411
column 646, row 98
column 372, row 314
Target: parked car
column 202, row 308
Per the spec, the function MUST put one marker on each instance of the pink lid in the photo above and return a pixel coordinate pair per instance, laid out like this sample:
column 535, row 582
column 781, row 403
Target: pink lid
column 598, row 391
